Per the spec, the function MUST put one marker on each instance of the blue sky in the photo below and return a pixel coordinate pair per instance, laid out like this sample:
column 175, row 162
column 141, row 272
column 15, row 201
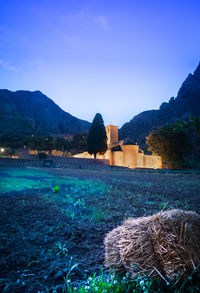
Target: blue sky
column 116, row 57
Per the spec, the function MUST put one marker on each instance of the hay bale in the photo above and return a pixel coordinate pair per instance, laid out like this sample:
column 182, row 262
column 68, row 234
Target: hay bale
column 166, row 244
column 112, row 253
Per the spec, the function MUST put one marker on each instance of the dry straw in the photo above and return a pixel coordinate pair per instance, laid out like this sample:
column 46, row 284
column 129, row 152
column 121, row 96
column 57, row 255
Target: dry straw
column 164, row 245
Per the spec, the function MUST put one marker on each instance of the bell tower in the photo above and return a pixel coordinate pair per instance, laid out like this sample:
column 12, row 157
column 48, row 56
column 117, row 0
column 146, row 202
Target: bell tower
column 112, row 134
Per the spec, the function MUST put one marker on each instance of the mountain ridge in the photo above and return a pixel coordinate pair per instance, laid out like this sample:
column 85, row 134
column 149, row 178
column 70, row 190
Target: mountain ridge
column 186, row 104
column 29, row 112
column 40, row 113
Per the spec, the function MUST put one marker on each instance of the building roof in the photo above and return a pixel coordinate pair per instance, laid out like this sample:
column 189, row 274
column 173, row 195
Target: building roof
column 117, row 149
column 128, row 141
column 112, row 125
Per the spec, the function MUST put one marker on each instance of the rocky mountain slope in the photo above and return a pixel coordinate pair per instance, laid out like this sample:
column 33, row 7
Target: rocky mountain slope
column 186, row 104
column 11, row 122
column 29, row 112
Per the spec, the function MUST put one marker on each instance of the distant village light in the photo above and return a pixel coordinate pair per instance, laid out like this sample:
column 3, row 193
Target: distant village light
column 2, row 150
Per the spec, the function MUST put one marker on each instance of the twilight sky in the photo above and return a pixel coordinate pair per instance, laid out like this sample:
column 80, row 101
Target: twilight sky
column 115, row 57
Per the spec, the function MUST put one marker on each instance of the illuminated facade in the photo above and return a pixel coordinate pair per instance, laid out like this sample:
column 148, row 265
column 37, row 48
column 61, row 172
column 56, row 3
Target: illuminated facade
column 123, row 153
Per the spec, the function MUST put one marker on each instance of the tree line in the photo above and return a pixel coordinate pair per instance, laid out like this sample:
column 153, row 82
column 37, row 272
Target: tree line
column 94, row 142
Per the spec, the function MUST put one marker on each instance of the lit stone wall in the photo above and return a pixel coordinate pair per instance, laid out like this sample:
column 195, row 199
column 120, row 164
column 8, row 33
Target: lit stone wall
column 140, row 160
column 57, row 153
column 84, row 155
column 130, row 153
column 107, row 155
column 117, row 158
column 35, row 152
column 128, row 157
column 152, row 161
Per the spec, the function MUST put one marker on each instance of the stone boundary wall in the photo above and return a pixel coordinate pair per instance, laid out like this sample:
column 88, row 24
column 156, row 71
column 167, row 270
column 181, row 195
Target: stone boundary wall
column 57, row 162
column 62, row 162
column 7, row 162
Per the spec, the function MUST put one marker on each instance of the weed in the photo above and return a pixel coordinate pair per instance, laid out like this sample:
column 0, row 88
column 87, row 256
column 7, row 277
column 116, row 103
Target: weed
column 163, row 205
column 57, row 249
column 56, row 189
column 112, row 283
column 61, row 249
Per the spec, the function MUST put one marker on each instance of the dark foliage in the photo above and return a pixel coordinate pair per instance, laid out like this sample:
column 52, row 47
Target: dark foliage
column 61, row 144
column 97, row 139
column 13, row 142
column 42, row 156
column 79, row 142
column 172, row 144
column 40, row 143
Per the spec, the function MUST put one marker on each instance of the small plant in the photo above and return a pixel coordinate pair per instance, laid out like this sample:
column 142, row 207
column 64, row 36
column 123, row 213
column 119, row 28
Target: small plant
column 56, row 189
column 163, row 205
column 42, row 156
column 61, row 249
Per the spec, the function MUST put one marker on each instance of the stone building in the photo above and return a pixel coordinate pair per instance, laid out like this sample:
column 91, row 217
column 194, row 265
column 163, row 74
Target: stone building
column 124, row 153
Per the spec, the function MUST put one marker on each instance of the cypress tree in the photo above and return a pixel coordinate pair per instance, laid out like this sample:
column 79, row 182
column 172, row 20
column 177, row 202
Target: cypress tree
column 97, row 139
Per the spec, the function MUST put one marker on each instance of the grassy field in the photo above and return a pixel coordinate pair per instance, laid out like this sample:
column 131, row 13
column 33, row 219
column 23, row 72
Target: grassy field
column 53, row 222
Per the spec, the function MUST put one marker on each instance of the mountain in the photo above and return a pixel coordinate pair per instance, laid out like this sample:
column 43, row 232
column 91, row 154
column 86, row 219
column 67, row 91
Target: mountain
column 11, row 122
column 186, row 104
column 28, row 112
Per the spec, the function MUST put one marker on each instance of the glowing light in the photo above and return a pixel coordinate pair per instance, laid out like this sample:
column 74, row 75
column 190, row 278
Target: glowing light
column 2, row 150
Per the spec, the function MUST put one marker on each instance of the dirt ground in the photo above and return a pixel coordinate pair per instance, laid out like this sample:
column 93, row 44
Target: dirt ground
column 50, row 234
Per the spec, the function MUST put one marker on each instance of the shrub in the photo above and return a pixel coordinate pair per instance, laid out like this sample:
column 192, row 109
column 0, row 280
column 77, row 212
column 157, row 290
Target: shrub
column 42, row 156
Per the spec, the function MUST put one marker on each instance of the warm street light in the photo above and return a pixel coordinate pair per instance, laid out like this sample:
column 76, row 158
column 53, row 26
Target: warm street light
column 2, row 150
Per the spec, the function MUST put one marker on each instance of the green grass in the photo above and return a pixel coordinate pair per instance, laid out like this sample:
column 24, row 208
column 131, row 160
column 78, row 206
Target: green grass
column 112, row 283
column 24, row 179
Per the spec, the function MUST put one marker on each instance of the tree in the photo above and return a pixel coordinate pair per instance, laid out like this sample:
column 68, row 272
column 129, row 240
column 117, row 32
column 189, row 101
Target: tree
column 79, row 142
column 97, row 139
column 180, row 126
column 195, row 123
column 171, row 144
column 13, row 142
column 192, row 129
column 61, row 144
column 34, row 143
column 47, row 143
column 39, row 143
